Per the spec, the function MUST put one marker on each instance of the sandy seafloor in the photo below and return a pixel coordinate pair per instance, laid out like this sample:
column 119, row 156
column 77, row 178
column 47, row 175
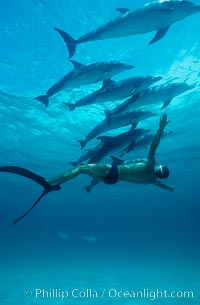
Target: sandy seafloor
column 122, row 237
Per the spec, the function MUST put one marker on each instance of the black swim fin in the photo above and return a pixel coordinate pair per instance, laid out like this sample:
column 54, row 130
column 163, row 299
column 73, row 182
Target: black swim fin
column 29, row 210
column 30, row 175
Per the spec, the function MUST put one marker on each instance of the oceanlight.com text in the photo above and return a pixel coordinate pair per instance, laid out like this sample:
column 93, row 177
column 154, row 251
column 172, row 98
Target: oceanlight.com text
column 112, row 293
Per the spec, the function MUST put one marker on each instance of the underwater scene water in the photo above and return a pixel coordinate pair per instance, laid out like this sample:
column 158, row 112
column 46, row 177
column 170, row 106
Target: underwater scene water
column 122, row 243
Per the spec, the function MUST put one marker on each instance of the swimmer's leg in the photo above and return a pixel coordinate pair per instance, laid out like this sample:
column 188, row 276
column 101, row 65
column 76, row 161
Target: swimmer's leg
column 98, row 171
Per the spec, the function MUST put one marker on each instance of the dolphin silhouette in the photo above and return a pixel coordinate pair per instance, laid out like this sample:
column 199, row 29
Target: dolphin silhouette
column 154, row 95
column 113, row 144
column 83, row 75
column 156, row 16
column 116, row 121
column 112, row 90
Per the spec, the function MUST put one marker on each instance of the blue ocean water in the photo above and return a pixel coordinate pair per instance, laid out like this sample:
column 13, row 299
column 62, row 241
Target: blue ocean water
column 123, row 237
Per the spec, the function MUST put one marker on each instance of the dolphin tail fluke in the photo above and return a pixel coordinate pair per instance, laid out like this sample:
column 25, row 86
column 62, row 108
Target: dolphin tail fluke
column 44, row 99
column 88, row 189
column 108, row 117
column 70, row 106
column 83, row 143
column 30, row 175
column 70, row 42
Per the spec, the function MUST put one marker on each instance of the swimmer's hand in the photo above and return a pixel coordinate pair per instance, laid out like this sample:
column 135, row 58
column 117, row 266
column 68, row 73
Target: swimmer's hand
column 171, row 189
column 163, row 121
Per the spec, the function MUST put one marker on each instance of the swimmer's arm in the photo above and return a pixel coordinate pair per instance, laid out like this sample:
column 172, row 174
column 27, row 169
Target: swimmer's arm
column 164, row 186
column 156, row 140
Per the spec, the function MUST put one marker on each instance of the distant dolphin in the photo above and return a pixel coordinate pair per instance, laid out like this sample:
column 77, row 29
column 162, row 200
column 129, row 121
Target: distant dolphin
column 154, row 95
column 117, row 121
column 90, row 238
column 83, row 75
column 156, row 16
column 86, row 156
column 112, row 90
column 125, row 140
column 63, row 235
column 143, row 141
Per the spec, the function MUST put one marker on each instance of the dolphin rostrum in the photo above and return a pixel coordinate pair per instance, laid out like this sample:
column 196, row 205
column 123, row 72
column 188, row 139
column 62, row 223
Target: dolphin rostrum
column 83, row 75
column 154, row 95
column 117, row 121
column 156, row 16
column 111, row 90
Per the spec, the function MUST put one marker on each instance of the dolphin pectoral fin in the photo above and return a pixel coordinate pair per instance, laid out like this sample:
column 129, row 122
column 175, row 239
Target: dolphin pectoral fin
column 88, row 189
column 108, row 83
column 93, row 183
column 122, row 10
column 134, row 124
column 44, row 99
column 83, row 143
column 159, row 34
column 76, row 64
column 70, row 42
column 166, row 103
column 130, row 147
column 108, row 115
column 117, row 161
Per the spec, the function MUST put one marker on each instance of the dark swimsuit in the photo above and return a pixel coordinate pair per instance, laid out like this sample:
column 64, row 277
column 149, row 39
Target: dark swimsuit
column 113, row 176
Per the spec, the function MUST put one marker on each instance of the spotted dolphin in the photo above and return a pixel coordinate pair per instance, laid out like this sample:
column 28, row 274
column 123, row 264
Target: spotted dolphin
column 155, row 16
column 110, row 144
column 117, row 121
column 83, row 75
column 157, row 94
column 111, row 91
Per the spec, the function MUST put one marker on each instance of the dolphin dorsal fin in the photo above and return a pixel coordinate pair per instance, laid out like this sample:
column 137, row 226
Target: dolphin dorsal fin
column 166, row 103
column 122, row 10
column 108, row 83
column 76, row 64
column 105, row 139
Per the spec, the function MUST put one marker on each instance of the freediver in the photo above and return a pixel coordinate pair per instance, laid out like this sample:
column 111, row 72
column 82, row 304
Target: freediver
column 136, row 172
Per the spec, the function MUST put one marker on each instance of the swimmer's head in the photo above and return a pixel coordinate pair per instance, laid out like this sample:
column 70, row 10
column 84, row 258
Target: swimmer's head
column 161, row 171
